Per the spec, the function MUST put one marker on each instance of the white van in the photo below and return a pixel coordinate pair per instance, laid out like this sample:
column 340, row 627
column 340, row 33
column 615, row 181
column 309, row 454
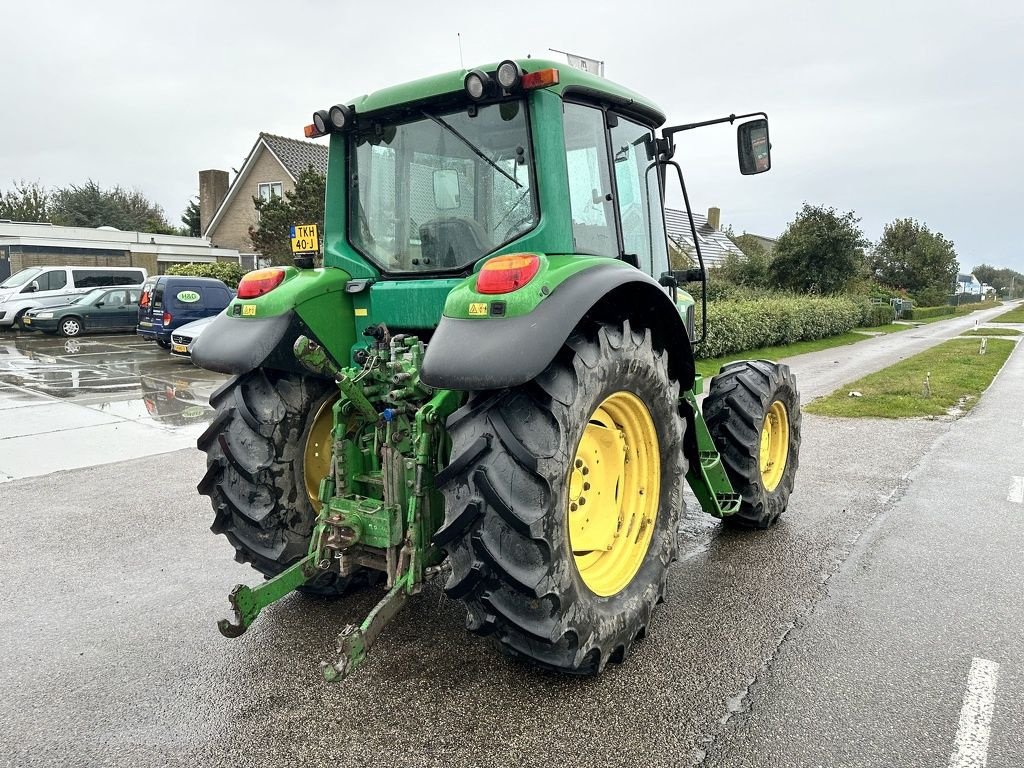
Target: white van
column 49, row 286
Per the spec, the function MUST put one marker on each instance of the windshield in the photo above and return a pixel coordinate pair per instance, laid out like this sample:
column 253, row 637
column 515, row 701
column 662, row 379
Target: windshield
column 442, row 191
column 90, row 297
column 21, row 278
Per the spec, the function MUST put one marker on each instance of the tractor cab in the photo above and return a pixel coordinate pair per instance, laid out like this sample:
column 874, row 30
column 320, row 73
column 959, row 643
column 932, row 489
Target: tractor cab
column 431, row 178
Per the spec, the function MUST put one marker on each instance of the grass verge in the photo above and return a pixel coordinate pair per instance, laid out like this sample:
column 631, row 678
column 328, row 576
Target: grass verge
column 991, row 332
column 958, row 375
column 1015, row 315
column 711, row 365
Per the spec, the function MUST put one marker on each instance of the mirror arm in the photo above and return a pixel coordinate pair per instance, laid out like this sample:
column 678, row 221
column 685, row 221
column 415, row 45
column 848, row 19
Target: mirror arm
column 674, row 129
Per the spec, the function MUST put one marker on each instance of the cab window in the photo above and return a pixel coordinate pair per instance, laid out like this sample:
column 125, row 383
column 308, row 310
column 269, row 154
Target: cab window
column 590, row 186
column 52, row 280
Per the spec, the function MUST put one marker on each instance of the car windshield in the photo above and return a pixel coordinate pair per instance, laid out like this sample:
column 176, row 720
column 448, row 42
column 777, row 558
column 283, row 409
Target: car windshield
column 440, row 192
column 21, row 278
column 90, row 297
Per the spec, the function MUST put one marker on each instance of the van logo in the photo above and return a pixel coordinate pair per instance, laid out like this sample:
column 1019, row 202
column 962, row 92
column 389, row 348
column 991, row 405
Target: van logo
column 188, row 297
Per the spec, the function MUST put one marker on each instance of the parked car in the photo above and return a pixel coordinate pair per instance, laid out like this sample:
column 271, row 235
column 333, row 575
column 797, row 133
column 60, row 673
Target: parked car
column 183, row 337
column 169, row 302
column 37, row 287
column 101, row 309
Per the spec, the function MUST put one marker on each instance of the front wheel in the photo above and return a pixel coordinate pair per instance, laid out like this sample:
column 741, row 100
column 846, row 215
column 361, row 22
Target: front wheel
column 71, row 326
column 562, row 497
column 753, row 413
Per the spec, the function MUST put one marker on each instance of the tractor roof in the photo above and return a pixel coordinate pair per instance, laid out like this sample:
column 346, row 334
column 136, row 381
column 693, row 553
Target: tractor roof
column 571, row 81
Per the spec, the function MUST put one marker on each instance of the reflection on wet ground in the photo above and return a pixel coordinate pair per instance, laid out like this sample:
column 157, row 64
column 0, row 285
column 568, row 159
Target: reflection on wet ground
column 122, row 396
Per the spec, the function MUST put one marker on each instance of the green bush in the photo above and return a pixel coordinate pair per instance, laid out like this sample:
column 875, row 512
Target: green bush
column 872, row 315
column 740, row 325
column 229, row 272
column 924, row 313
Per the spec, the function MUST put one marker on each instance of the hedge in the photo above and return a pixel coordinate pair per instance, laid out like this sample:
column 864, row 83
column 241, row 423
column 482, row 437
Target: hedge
column 923, row 313
column 229, row 272
column 872, row 315
column 738, row 326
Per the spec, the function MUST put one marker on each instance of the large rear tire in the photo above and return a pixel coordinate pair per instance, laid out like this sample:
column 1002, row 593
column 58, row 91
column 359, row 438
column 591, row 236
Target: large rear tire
column 753, row 413
column 550, row 577
column 266, row 449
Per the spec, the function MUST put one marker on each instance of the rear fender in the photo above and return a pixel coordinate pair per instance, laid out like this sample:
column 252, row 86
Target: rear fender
column 260, row 332
column 497, row 352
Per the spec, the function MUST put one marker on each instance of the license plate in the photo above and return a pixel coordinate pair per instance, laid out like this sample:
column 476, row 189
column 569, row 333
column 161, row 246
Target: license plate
column 144, row 324
column 28, row 320
column 179, row 348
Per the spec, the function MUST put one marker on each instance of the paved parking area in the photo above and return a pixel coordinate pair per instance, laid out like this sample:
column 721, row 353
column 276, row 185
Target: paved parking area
column 68, row 403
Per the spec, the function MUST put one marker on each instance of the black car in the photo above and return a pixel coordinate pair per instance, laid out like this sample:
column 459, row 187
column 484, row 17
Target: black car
column 102, row 309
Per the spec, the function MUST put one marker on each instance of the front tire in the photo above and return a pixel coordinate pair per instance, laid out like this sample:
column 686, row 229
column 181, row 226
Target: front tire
column 753, row 413
column 528, row 556
column 266, row 449
column 71, row 326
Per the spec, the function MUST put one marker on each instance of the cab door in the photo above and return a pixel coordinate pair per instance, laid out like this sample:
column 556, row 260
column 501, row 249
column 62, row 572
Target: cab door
column 638, row 198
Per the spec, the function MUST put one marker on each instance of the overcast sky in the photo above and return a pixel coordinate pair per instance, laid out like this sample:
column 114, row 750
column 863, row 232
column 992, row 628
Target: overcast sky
column 891, row 109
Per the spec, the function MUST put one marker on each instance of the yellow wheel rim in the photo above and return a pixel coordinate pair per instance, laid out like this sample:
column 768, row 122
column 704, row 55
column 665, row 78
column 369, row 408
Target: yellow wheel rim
column 614, row 489
column 316, row 457
column 774, row 445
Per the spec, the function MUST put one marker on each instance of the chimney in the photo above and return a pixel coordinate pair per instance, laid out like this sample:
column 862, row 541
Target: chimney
column 213, row 188
column 714, row 218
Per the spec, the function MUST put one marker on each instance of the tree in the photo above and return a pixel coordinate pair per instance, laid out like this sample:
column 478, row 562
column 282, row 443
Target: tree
column 750, row 268
column 190, row 218
column 303, row 205
column 89, row 205
column 26, row 201
column 821, row 251
column 1007, row 282
column 911, row 257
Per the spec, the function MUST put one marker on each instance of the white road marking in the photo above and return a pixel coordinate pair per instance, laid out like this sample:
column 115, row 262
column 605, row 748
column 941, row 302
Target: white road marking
column 1016, row 494
column 976, row 716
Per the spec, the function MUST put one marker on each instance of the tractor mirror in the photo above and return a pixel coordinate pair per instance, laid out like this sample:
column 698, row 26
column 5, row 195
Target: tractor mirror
column 446, row 189
column 754, row 147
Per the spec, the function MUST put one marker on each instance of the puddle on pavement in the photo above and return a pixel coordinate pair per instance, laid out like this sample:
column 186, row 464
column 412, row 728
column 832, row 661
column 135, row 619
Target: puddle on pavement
column 122, row 376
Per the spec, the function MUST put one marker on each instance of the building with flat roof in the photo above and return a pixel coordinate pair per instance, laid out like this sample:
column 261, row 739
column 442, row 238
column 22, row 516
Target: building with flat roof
column 28, row 244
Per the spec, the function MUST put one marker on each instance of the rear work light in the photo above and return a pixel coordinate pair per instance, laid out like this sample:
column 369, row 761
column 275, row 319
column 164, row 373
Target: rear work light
column 504, row 274
column 260, row 282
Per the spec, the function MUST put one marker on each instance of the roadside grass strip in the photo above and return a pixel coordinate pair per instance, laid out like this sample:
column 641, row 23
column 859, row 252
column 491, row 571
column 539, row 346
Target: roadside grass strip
column 991, row 332
column 945, row 380
column 1015, row 315
column 711, row 365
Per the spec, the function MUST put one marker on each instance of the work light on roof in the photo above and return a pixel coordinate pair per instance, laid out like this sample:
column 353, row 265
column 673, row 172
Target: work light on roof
column 508, row 74
column 320, row 121
column 340, row 116
column 477, row 84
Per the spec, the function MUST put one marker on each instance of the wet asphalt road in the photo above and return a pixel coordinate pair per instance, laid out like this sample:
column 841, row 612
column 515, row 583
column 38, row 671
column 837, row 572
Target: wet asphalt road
column 772, row 648
column 69, row 403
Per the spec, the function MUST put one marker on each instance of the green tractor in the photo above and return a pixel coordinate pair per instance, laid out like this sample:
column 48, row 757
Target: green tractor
column 493, row 374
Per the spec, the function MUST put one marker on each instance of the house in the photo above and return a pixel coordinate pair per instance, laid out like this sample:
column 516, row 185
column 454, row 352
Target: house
column 24, row 244
column 715, row 245
column 968, row 284
column 272, row 167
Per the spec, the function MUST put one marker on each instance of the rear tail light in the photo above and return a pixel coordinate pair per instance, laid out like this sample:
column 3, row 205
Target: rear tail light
column 504, row 274
column 167, row 318
column 260, row 282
